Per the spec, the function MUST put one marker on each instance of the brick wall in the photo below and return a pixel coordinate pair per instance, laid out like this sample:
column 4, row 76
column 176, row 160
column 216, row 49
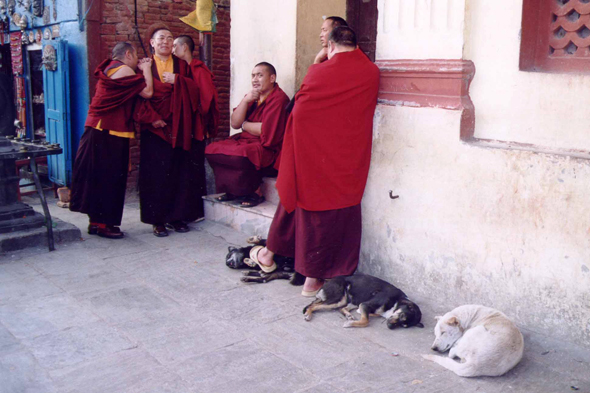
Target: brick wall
column 114, row 21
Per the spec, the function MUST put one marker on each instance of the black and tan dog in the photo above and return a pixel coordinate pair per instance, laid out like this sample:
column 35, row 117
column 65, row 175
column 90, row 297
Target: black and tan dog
column 372, row 296
column 238, row 257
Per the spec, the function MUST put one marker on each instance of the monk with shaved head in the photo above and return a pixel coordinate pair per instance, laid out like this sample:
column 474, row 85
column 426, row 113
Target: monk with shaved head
column 99, row 177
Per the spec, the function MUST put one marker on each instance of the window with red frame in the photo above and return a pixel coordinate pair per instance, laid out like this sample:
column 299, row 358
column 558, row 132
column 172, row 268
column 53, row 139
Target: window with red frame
column 555, row 36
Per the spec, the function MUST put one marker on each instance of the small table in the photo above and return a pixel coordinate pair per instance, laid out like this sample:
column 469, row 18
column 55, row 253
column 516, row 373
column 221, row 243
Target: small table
column 15, row 215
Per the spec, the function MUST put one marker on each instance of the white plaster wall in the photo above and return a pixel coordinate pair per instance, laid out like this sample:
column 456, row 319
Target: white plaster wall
column 548, row 110
column 262, row 30
column 508, row 229
column 420, row 29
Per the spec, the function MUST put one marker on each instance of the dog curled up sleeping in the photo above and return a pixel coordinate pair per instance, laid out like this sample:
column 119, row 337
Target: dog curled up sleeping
column 483, row 340
column 372, row 296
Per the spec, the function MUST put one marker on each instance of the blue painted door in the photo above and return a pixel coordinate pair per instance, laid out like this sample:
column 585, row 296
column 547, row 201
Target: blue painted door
column 56, row 90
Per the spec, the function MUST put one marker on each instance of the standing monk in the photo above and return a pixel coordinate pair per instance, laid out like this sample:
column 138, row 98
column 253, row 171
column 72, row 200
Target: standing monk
column 170, row 175
column 238, row 162
column 100, row 171
column 324, row 166
column 208, row 118
column 330, row 23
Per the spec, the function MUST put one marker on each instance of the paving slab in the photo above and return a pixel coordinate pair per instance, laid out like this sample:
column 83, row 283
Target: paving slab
column 145, row 314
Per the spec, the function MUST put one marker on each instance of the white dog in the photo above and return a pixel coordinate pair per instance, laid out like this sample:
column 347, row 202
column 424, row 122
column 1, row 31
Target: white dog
column 484, row 340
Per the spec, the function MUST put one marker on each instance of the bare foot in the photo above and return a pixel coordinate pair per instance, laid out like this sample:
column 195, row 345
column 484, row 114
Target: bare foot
column 265, row 257
column 312, row 284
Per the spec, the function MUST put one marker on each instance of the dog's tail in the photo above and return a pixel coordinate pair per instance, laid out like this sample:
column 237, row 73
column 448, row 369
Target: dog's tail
column 461, row 369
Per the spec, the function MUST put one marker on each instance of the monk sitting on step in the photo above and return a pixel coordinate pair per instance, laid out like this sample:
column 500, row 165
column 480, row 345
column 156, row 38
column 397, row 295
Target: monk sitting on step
column 240, row 161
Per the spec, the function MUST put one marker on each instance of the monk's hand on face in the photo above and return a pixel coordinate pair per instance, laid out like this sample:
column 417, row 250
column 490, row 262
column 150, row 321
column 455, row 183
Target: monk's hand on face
column 168, row 77
column 253, row 95
column 159, row 124
column 321, row 56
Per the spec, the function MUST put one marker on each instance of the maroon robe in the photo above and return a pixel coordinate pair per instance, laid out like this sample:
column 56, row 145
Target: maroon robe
column 327, row 149
column 172, row 170
column 324, row 167
column 208, row 118
column 263, row 150
column 99, row 177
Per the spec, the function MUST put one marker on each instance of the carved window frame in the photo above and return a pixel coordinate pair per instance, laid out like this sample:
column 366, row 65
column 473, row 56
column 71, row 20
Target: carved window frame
column 555, row 36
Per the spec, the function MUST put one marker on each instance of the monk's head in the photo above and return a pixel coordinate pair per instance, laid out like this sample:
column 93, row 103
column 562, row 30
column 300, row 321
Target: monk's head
column 330, row 23
column 126, row 53
column 162, row 42
column 264, row 76
column 183, row 47
column 341, row 39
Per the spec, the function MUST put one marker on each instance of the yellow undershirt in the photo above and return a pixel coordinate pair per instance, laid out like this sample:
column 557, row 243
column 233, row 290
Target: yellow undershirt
column 122, row 134
column 164, row 66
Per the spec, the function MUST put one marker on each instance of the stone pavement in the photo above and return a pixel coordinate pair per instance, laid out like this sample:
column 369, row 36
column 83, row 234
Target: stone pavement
column 148, row 314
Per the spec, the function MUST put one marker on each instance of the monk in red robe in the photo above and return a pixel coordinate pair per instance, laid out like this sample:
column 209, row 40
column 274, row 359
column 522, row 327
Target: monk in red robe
column 240, row 161
column 171, row 175
column 208, row 117
column 324, row 166
column 99, row 177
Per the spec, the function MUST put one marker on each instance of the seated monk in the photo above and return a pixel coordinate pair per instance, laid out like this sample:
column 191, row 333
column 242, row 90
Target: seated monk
column 240, row 161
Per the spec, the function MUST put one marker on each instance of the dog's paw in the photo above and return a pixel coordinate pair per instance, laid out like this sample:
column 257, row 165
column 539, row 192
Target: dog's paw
column 307, row 317
column 348, row 324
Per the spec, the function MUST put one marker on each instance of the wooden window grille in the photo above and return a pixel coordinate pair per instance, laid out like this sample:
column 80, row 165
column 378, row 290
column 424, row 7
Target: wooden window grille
column 555, row 36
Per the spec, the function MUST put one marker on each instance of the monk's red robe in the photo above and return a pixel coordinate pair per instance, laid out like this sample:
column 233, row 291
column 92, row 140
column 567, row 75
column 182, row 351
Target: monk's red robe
column 99, row 176
column 208, row 117
column 327, row 147
column 263, row 150
column 114, row 101
column 177, row 104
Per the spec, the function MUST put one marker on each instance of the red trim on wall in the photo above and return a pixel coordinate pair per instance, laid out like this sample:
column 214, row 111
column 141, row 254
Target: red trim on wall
column 430, row 84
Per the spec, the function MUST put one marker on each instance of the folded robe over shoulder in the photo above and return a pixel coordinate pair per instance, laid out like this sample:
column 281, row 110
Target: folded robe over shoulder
column 177, row 104
column 208, row 118
column 263, row 150
column 113, row 102
column 327, row 146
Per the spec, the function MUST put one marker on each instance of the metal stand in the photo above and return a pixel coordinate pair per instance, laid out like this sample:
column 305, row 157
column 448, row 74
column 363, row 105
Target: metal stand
column 48, row 221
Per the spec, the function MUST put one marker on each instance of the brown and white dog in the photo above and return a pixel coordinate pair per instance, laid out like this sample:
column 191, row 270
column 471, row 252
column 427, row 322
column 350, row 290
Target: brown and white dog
column 372, row 296
column 483, row 340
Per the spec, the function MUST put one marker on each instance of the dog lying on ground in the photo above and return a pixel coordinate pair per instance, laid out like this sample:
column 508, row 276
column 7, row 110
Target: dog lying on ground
column 372, row 296
column 483, row 339
column 238, row 257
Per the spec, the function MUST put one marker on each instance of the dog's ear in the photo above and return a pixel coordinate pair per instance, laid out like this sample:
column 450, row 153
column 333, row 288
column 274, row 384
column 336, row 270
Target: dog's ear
column 419, row 324
column 230, row 248
column 438, row 317
column 453, row 321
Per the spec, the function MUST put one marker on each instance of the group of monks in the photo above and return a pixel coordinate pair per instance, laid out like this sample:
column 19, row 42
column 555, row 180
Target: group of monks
column 318, row 145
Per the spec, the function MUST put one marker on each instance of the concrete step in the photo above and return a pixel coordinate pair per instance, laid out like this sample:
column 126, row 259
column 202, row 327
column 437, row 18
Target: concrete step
column 249, row 220
column 269, row 190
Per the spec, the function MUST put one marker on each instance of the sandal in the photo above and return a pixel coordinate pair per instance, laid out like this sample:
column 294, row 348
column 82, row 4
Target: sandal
column 178, row 226
column 225, row 197
column 160, row 231
column 252, row 201
column 254, row 258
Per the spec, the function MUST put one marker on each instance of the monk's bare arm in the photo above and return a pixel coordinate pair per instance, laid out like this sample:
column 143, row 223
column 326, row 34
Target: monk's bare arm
column 239, row 114
column 252, row 128
column 124, row 71
column 146, row 67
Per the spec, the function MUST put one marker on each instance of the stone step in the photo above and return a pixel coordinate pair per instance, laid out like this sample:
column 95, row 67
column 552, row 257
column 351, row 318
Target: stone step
column 269, row 190
column 249, row 220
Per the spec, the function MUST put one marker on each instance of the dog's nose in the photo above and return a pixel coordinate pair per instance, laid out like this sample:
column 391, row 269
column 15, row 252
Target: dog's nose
column 434, row 348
